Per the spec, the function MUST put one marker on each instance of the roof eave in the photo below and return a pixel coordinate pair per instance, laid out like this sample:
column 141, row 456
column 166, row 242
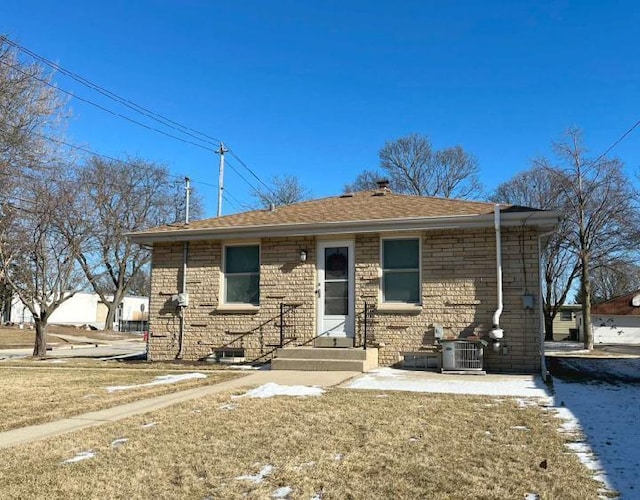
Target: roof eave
column 546, row 220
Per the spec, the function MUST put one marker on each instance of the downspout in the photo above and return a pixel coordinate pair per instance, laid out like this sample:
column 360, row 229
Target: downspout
column 181, row 306
column 496, row 334
column 543, row 360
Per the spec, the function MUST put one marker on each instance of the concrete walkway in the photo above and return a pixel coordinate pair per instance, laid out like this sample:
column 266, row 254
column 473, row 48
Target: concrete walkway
column 32, row 433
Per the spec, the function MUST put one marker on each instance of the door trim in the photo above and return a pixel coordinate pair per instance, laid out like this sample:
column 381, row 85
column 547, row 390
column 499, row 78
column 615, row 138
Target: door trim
column 349, row 327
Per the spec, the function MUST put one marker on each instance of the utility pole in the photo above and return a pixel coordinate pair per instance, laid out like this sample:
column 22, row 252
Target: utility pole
column 221, row 152
column 187, row 188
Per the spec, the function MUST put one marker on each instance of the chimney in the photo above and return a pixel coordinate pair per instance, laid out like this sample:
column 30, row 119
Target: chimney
column 383, row 184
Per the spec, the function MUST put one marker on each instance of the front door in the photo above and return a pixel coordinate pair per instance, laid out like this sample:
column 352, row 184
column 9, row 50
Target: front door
column 335, row 289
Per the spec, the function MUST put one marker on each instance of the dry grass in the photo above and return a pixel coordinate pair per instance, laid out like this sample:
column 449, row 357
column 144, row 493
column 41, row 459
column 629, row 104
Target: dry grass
column 13, row 337
column 344, row 444
column 114, row 364
column 32, row 396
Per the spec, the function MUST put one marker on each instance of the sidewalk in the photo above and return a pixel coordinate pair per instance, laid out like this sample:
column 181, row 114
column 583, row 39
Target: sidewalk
column 32, row 433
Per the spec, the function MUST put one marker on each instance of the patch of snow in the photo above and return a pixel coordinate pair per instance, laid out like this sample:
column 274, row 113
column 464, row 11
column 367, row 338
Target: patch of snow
column 161, row 380
column 282, row 492
column 150, row 424
column 392, row 379
column 259, row 477
column 116, row 443
column 607, row 415
column 83, row 455
column 56, row 361
column 532, row 496
column 88, row 396
column 338, row 456
column 520, row 428
column 271, row 389
column 196, row 411
column 243, row 367
column 227, row 407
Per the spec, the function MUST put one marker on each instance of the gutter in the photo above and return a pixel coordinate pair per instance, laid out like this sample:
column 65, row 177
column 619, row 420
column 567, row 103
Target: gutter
column 496, row 333
column 509, row 219
column 185, row 255
column 543, row 360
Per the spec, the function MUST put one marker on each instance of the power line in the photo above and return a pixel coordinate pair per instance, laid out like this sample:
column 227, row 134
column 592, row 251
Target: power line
column 88, row 101
column 620, row 139
column 112, row 95
column 133, row 106
column 106, row 110
column 250, row 171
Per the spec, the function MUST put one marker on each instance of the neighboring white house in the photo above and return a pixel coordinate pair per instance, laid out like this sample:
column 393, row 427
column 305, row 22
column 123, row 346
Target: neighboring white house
column 87, row 309
column 616, row 321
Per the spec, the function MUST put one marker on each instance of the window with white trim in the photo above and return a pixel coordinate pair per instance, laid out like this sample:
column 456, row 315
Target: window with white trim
column 242, row 274
column 401, row 270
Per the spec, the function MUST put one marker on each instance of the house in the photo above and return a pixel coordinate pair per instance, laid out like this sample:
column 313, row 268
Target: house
column 615, row 321
column 370, row 268
column 564, row 324
column 86, row 309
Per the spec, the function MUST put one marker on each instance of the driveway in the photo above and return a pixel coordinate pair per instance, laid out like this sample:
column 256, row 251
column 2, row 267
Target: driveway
column 96, row 349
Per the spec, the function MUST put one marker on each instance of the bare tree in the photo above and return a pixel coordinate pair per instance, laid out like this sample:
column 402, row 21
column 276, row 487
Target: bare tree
column 30, row 110
column 536, row 188
column 614, row 279
column 413, row 167
column 600, row 213
column 366, row 181
column 282, row 190
column 113, row 199
column 38, row 259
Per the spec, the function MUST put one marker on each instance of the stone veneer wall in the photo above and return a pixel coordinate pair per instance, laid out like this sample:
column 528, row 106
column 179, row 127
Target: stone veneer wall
column 458, row 290
column 283, row 278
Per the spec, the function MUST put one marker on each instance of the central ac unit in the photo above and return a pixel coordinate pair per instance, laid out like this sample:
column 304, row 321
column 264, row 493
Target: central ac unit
column 462, row 355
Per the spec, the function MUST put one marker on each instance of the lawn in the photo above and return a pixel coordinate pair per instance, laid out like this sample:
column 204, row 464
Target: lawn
column 13, row 337
column 32, row 395
column 342, row 444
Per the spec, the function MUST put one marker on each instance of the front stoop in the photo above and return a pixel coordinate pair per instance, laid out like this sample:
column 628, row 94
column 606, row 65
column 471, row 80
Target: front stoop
column 325, row 359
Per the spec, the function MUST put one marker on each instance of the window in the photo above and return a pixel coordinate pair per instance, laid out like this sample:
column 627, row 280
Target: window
column 566, row 315
column 401, row 270
column 242, row 274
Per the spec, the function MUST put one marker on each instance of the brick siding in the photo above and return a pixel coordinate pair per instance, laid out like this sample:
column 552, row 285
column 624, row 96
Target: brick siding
column 458, row 292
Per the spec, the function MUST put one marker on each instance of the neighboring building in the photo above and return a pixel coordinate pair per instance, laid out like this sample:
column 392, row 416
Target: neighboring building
column 564, row 324
column 615, row 321
column 420, row 265
column 87, row 309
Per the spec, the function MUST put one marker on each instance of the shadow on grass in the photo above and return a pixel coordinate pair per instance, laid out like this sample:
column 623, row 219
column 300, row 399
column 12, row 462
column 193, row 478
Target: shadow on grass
column 604, row 396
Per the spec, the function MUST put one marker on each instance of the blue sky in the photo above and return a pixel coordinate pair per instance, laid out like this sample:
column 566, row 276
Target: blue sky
column 315, row 88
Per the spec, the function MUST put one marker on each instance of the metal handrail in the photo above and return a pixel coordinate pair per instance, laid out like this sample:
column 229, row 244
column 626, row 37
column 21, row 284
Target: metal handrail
column 284, row 309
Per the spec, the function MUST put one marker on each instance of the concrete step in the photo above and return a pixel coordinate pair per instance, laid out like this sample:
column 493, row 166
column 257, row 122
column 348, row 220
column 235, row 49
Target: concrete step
column 317, row 364
column 321, row 359
column 333, row 342
column 321, row 353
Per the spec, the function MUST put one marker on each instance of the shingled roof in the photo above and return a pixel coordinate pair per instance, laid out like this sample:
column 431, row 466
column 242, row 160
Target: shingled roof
column 348, row 210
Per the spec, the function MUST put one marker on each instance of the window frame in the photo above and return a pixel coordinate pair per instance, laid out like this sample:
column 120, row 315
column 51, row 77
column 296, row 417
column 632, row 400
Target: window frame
column 566, row 316
column 224, row 274
column 383, row 300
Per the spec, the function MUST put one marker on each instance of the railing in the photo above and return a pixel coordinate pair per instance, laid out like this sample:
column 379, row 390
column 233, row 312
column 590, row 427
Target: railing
column 366, row 320
column 280, row 318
